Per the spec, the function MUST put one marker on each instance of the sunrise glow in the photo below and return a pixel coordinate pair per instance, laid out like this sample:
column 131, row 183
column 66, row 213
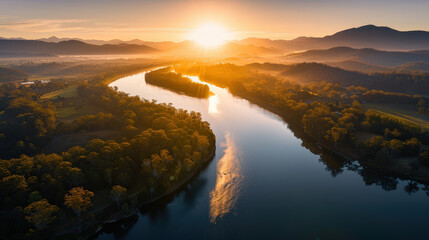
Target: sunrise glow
column 211, row 35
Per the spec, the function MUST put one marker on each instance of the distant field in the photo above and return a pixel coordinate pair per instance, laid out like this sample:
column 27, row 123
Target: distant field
column 404, row 112
column 65, row 93
column 77, row 109
column 71, row 106
column 365, row 136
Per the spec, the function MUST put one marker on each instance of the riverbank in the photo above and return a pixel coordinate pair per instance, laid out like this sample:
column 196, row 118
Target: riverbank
column 89, row 230
column 114, row 77
column 403, row 168
column 104, row 211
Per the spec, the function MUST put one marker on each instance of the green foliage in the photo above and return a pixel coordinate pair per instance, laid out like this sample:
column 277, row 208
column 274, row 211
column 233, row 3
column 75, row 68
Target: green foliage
column 424, row 157
column 379, row 122
column 325, row 111
column 78, row 199
column 176, row 82
column 157, row 141
column 12, row 74
column 116, row 193
column 40, row 213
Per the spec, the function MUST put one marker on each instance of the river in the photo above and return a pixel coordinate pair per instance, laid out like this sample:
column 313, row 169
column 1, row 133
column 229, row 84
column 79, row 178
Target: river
column 264, row 182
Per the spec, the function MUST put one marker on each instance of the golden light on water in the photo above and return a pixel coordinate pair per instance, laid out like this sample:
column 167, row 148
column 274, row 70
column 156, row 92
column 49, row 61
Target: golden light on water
column 228, row 182
column 210, row 35
column 213, row 103
column 213, row 100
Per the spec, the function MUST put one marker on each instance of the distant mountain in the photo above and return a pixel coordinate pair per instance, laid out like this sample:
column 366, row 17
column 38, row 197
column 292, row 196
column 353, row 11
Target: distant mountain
column 316, row 72
column 353, row 65
column 413, row 66
column 366, row 55
column 165, row 45
column 368, row 36
column 70, row 47
column 395, row 82
column 364, row 38
column 18, row 38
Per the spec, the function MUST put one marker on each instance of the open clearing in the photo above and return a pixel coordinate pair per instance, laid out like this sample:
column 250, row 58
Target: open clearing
column 405, row 112
column 65, row 93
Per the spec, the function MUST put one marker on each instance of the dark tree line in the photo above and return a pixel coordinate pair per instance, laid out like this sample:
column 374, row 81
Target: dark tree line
column 328, row 112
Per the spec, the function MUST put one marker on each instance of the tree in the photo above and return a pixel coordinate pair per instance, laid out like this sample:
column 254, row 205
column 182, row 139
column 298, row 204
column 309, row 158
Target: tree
column 396, row 133
column 14, row 183
column 387, row 133
column 117, row 192
column 40, row 213
column 78, row 199
column 424, row 157
column 337, row 134
column 12, row 190
column 34, row 197
column 421, row 105
column 396, row 146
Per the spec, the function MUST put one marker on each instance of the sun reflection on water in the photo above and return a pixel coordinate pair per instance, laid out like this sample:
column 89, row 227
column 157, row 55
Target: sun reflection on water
column 228, row 182
column 213, row 102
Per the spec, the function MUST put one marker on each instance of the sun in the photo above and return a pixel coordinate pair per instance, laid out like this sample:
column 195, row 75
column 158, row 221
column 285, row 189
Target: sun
column 211, row 35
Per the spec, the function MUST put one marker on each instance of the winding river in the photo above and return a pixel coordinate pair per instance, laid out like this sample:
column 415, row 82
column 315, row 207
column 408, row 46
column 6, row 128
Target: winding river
column 264, row 182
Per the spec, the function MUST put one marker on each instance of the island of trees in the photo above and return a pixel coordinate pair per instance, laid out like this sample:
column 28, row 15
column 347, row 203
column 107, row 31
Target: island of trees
column 176, row 82
column 151, row 149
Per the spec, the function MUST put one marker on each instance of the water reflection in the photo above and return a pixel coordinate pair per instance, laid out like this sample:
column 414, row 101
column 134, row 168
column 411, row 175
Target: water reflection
column 294, row 191
column 228, row 182
column 213, row 103
column 213, row 100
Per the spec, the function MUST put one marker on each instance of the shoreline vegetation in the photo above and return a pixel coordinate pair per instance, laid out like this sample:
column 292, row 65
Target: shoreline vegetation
column 134, row 124
column 397, row 168
column 169, row 80
column 336, row 124
column 115, row 215
column 151, row 151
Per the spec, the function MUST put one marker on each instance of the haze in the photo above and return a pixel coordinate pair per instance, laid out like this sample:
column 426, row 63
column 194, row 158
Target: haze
column 173, row 20
column 198, row 119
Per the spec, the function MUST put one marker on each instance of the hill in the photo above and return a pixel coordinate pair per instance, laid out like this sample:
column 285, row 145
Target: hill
column 416, row 83
column 353, row 65
column 316, row 72
column 11, row 74
column 71, row 47
column 368, row 36
column 366, row 55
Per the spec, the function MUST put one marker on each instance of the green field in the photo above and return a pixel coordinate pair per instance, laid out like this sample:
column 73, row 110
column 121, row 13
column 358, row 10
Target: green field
column 405, row 112
column 65, row 93
column 70, row 106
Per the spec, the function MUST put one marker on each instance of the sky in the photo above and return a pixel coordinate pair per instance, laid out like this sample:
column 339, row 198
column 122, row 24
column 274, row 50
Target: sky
column 174, row 20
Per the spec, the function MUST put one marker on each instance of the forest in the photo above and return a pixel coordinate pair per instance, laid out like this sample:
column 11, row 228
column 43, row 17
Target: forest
column 152, row 148
column 330, row 113
column 158, row 146
column 401, row 82
column 167, row 79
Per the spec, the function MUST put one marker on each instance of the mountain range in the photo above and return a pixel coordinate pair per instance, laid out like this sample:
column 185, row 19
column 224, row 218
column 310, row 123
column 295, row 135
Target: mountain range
column 70, row 47
column 368, row 36
column 367, row 55
column 352, row 44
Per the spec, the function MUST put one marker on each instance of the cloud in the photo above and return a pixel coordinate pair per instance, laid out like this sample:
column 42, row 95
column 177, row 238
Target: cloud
column 78, row 26
column 44, row 25
column 89, row 28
